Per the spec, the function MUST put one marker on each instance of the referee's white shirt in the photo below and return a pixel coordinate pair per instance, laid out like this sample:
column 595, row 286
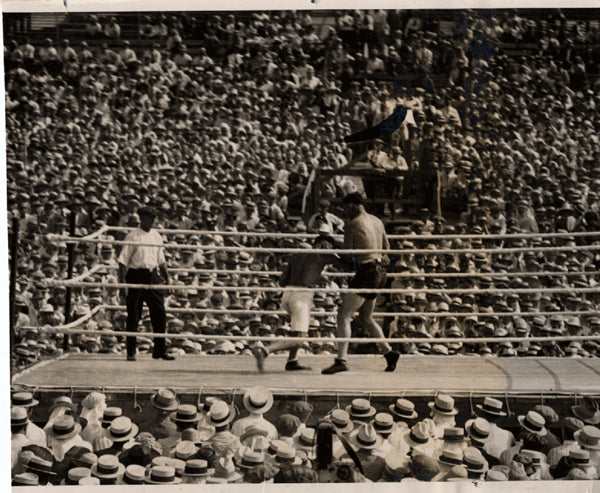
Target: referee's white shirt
column 140, row 256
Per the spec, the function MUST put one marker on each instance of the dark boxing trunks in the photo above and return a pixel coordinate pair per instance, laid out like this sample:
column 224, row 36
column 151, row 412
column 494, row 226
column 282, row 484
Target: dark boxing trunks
column 370, row 275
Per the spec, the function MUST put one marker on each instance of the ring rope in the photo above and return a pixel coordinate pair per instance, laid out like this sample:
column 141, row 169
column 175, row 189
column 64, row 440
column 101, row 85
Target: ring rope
column 75, row 322
column 406, row 275
column 376, row 314
column 101, row 231
column 402, row 275
column 359, row 340
column 88, row 273
column 332, row 290
column 258, row 234
column 573, row 234
column 341, row 251
column 95, row 234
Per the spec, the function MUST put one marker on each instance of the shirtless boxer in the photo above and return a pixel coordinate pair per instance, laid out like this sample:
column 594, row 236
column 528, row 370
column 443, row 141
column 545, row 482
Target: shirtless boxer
column 363, row 231
column 301, row 270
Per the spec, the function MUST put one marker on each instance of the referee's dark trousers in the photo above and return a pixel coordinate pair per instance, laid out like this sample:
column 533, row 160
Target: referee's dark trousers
column 155, row 300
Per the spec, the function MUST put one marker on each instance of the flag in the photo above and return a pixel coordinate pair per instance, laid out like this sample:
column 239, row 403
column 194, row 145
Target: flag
column 383, row 129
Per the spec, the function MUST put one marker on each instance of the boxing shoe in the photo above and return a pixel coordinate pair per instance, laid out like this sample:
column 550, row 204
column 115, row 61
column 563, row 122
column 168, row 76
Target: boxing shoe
column 166, row 357
column 338, row 366
column 295, row 366
column 392, row 359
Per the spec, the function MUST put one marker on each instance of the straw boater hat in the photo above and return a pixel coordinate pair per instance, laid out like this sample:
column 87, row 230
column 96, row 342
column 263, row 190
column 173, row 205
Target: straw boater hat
column 404, row 409
column 273, row 447
column 161, row 475
column 184, row 450
column 588, row 437
column 443, row 404
column 341, row 420
column 177, row 464
column 89, row 481
column 305, row 440
column 474, row 460
column 454, row 434
column 478, row 429
column 197, row 468
column 365, row 437
column 63, row 401
column 34, row 463
column 220, row 414
column 18, row 416
column 384, row 423
column 451, row 457
column 580, row 457
column 258, row 400
column 109, row 414
column 496, row 475
column 186, row 413
column 63, row 428
column 251, row 458
column 23, row 399
column 491, row 406
column 122, row 429
column 134, row 474
column 165, row 400
column 87, row 459
column 360, row 409
column 75, row 474
column 108, row 467
column 286, row 455
column 534, row 423
column 25, row 479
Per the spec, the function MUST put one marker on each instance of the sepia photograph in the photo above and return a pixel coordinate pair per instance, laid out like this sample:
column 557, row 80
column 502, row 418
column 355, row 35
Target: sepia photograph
column 323, row 245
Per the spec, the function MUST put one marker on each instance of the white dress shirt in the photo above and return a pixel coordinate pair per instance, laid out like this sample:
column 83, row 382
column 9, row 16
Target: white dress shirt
column 142, row 257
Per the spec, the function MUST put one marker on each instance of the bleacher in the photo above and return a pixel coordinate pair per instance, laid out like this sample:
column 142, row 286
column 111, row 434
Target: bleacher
column 72, row 26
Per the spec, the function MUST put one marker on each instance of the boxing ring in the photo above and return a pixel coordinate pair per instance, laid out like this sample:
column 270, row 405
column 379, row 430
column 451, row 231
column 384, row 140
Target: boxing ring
column 519, row 381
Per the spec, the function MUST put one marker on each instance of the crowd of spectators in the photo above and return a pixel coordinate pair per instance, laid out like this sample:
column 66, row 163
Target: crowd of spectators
column 90, row 442
column 228, row 136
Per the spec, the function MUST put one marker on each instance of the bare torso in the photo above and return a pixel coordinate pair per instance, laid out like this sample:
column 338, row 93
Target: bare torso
column 366, row 232
column 304, row 269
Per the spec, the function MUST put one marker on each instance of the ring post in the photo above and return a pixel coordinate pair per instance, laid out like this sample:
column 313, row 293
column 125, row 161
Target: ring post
column 71, row 255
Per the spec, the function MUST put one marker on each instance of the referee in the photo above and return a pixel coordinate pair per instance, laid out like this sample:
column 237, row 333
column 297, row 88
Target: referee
column 141, row 264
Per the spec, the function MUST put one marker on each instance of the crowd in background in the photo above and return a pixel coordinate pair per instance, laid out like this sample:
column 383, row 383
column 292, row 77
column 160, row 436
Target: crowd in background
column 92, row 442
column 228, row 134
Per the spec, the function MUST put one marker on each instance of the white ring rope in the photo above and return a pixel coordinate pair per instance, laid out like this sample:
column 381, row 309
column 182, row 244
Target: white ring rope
column 96, row 234
column 406, row 275
column 88, row 273
column 360, row 340
column 333, row 290
column 193, row 232
column 254, row 312
column 415, row 237
column 483, row 315
column 71, row 328
column 402, row 275
column 341, row 251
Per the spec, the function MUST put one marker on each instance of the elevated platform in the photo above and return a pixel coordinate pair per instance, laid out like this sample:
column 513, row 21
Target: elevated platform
column 520, row 382
column 414, row 374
